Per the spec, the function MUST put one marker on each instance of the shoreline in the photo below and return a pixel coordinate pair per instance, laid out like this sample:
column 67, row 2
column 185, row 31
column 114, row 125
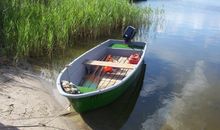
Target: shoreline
column 31, row 102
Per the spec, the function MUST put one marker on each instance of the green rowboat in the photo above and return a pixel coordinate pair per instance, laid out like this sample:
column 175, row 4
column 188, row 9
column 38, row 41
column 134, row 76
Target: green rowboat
column 96, row 87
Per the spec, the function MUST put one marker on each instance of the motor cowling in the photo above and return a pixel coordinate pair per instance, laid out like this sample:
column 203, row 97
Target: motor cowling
column 129, row 34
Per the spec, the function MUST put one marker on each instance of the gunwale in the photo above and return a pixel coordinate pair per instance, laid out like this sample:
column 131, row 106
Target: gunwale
column 103, row 90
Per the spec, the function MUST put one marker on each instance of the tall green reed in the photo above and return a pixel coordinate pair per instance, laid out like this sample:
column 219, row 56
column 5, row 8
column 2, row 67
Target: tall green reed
column 37, row 28
column 1, row 27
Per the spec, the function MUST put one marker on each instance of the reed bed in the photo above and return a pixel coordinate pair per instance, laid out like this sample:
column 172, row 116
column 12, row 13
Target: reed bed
column 38, row 27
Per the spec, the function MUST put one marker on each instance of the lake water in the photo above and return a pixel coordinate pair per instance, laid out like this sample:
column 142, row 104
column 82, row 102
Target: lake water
column 182, row 81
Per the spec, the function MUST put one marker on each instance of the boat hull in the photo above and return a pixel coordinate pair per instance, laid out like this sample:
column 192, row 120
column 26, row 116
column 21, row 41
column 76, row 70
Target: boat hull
column 89, row 103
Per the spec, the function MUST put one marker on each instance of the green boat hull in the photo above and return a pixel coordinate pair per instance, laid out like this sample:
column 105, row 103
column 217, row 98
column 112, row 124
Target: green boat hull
column 92, row 102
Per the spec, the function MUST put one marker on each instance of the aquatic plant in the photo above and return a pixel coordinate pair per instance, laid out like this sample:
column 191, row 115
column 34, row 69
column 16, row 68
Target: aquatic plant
column 38, row 27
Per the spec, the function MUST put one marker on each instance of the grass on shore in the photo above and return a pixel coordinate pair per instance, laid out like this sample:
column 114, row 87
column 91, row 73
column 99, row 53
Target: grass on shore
column 37, row 27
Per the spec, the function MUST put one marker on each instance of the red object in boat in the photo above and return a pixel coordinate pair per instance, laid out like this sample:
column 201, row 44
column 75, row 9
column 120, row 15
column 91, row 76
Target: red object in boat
column 107, row 69
column 134, row 58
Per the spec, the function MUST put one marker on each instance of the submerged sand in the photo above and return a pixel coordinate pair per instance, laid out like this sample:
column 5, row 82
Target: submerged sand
column 29, row 102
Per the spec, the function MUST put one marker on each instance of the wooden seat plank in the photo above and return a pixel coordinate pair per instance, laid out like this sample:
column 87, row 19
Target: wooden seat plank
column 111, row 64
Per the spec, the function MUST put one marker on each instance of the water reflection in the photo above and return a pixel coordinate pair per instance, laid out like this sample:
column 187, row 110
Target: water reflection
column 175, row 110
column 196, row 107
column 181, row 88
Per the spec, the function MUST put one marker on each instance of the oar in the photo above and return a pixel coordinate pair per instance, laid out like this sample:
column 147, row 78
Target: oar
column 89, row 78
column 99, row 75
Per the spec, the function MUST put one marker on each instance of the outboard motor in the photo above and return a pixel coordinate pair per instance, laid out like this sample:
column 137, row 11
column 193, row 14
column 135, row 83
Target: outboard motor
column 129, row 34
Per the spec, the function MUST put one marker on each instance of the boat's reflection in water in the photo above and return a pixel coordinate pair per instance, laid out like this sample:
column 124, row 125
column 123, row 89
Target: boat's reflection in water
column 114, row 115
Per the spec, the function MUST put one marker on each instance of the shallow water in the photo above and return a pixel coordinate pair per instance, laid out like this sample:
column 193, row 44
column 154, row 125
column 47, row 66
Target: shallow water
column 181, row 86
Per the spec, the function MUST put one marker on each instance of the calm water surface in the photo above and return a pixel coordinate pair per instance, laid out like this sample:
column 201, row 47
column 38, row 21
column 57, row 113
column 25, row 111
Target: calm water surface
column 181, row 87
column 182, row 80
